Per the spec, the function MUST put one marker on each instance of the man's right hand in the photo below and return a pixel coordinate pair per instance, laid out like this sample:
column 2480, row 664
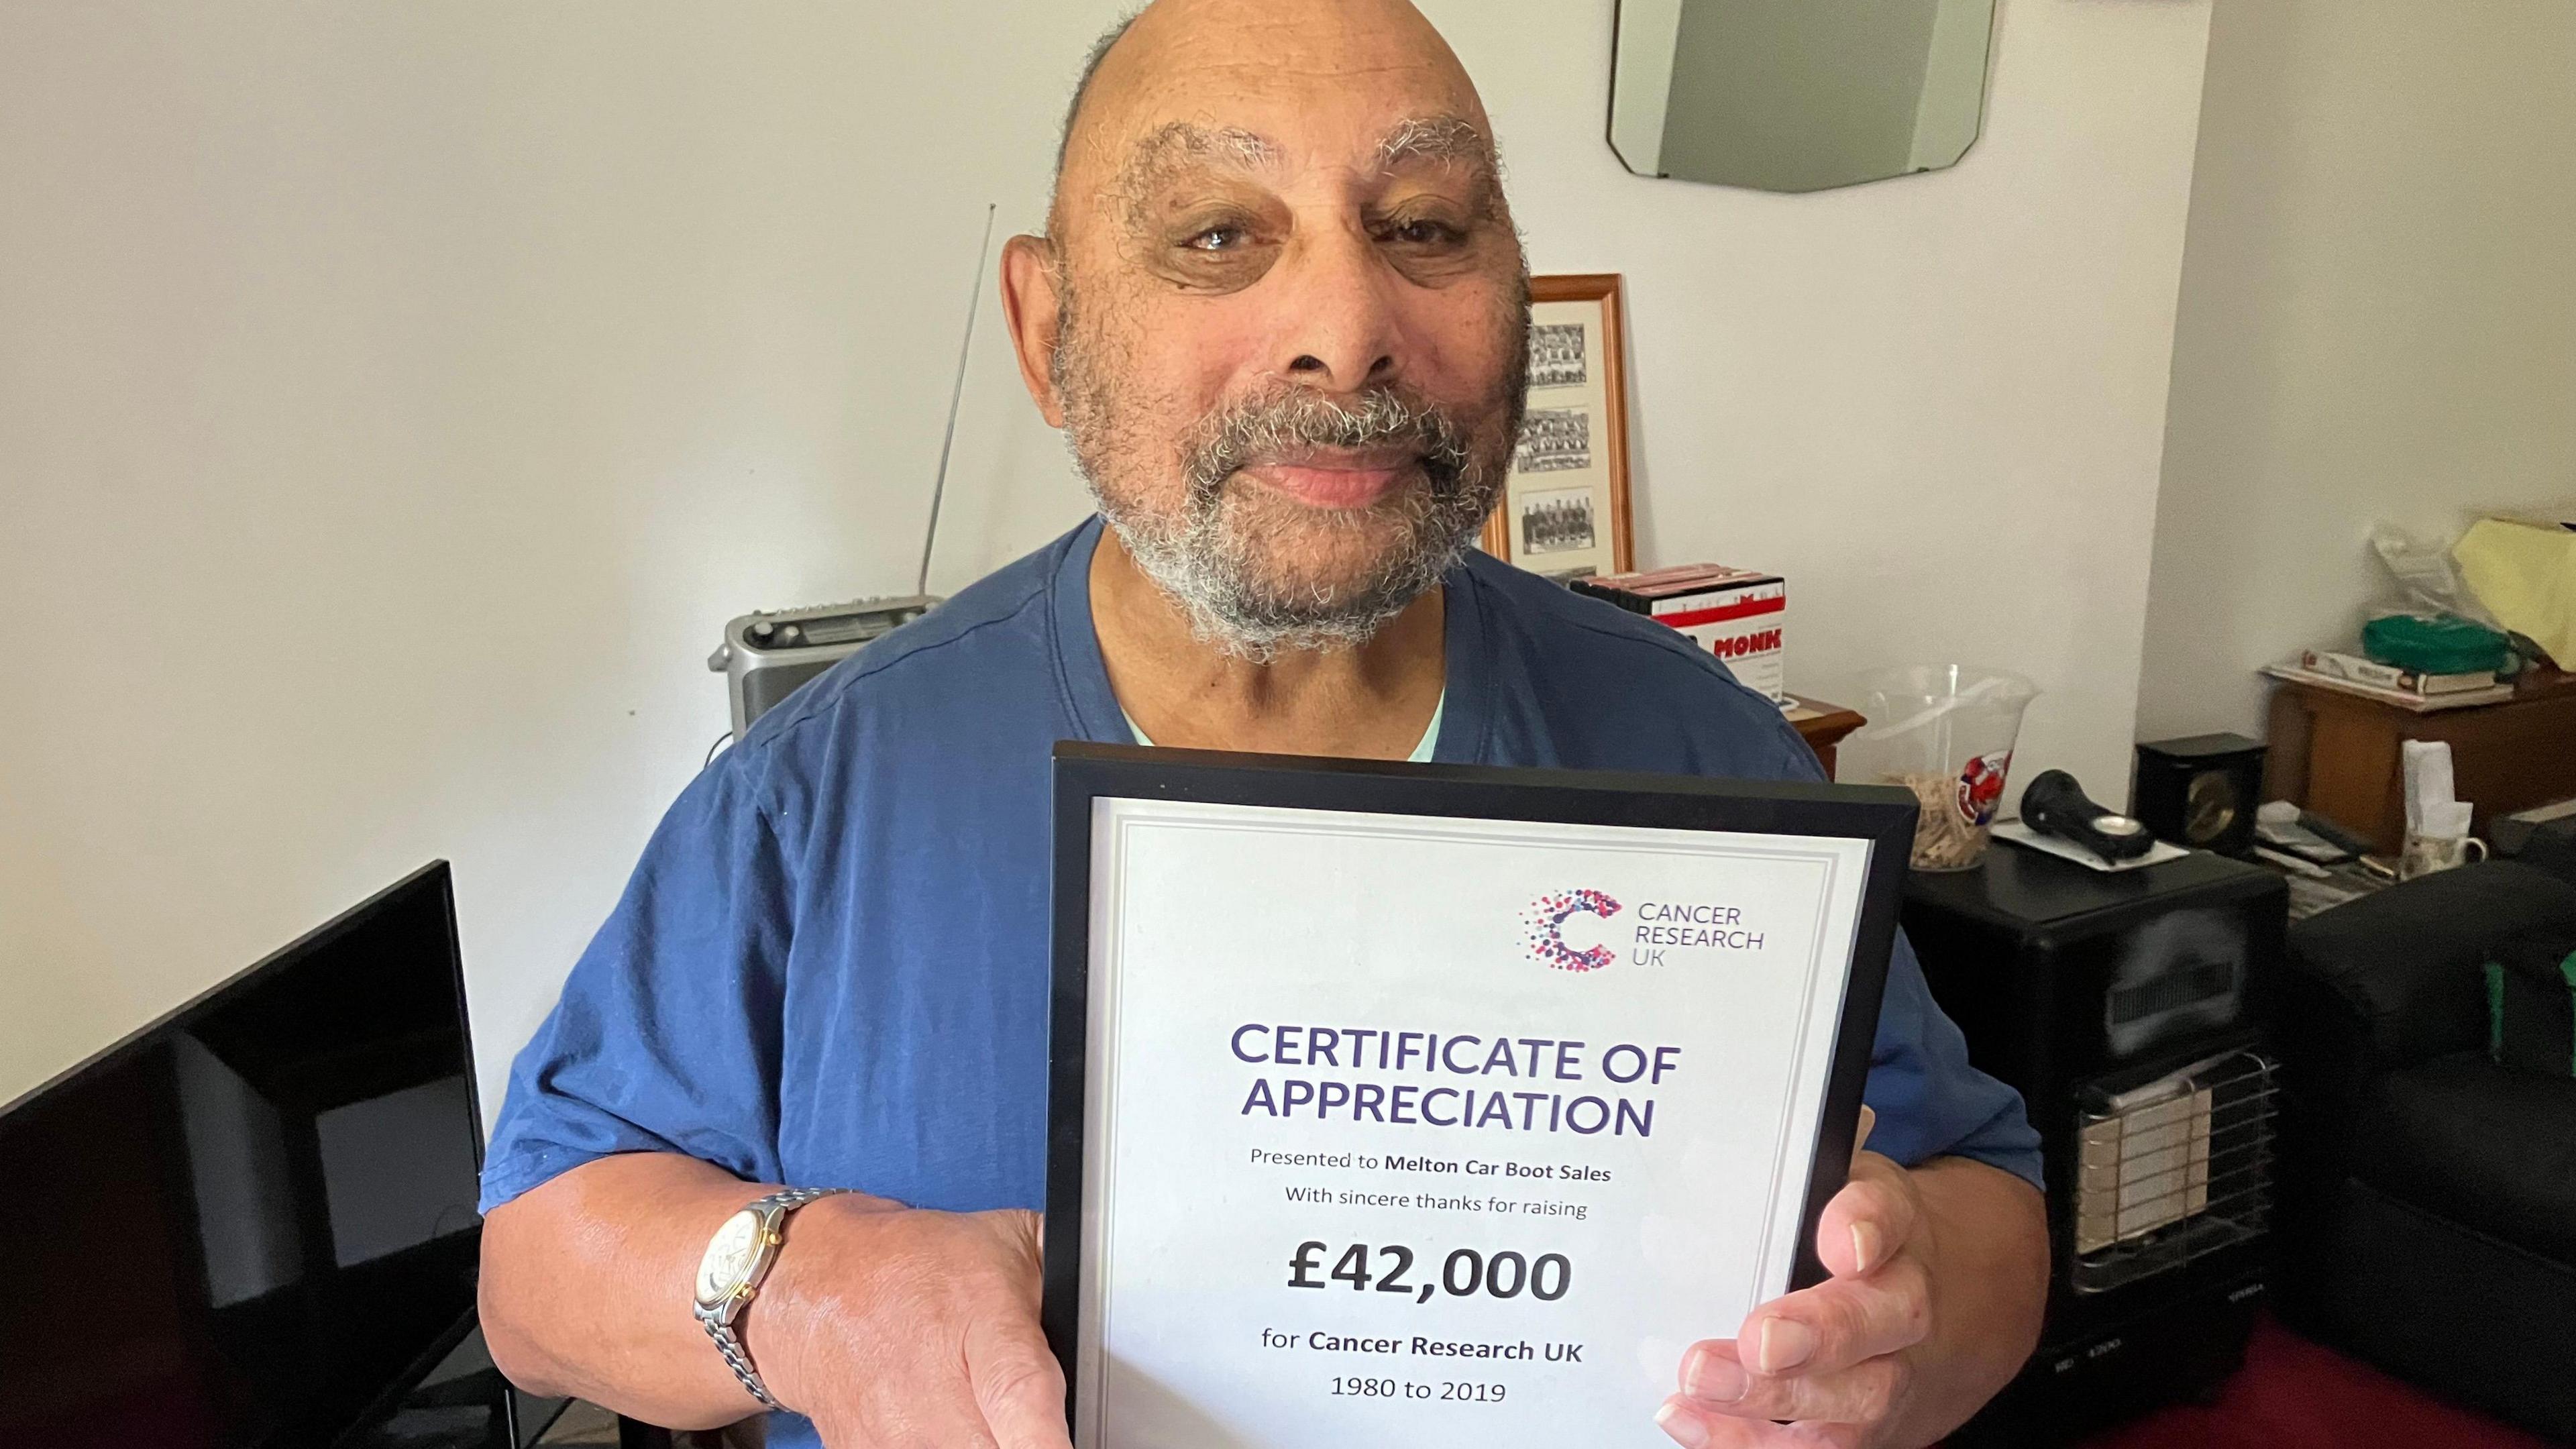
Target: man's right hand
column 893, row 1328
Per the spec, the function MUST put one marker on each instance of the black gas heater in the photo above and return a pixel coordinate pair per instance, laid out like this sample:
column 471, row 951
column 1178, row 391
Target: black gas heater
column 2117, row 1002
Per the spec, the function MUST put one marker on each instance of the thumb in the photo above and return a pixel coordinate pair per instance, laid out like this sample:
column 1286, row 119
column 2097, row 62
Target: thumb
column 1020, row 1388
column 1860, row 1139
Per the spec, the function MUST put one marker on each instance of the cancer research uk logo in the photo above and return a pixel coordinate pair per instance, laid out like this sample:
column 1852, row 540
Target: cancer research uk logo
column 1546, row 918
column 1662, row 931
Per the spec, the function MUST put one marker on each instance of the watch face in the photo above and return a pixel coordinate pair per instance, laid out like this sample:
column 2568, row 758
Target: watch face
column 729, row 1258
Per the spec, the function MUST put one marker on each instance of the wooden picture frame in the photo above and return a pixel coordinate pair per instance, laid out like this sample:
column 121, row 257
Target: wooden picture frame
column 1564, row 510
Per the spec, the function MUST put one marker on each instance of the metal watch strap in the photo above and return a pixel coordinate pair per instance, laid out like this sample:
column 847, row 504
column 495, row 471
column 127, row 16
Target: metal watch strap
column 773, row 1210
column 729, row 1344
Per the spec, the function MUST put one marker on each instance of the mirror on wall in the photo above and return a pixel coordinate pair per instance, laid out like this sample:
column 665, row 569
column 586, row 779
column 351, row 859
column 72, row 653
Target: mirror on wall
column 1797, row 95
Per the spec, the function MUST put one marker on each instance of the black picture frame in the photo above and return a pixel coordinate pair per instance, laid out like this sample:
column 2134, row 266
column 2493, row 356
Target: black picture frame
column 1084, row 772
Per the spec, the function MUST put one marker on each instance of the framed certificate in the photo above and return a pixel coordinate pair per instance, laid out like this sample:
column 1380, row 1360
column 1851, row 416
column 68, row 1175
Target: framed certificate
column 1427, row 1104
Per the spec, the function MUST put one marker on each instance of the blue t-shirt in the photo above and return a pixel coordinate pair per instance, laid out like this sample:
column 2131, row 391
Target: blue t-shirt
column 831, row 966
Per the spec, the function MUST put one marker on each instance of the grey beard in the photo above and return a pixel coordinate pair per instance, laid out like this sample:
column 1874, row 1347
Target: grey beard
column 1214, row 572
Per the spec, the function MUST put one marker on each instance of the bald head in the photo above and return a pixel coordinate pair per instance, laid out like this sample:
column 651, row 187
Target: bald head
column 1081, row 92
column 1152, row 81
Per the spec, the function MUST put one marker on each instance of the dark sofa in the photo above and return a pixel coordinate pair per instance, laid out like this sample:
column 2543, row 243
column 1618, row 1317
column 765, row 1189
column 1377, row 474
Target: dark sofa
column 2428, row 1196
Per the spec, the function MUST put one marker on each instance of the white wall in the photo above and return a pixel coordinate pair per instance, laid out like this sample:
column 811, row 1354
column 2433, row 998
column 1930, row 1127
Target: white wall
column 394, row 401
column 2378, row 321
column 1936, row 402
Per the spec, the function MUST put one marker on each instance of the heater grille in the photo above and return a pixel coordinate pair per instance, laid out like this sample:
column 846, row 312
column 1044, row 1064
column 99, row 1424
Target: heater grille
column 2172, row 1171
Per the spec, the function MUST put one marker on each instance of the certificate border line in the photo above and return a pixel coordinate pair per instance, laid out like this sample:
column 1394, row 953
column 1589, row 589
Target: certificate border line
column 1113, row 1025
column 1791, row 1099
column 1879, row 818
column 1393, row 826
column 1127, row 817
column 1194, row 816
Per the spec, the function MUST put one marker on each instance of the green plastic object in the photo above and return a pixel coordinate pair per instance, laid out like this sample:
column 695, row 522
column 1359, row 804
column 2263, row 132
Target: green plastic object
column 2531, row 1004
column 2436, row 644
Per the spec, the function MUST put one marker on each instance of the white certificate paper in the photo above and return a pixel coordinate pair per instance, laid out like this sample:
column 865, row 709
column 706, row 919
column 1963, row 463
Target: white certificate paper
column 1410, row 1130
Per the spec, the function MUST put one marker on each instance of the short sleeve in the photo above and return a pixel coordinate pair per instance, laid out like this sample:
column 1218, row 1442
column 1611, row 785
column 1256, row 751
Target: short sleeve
column 1930, row 1102
column 666, row 1037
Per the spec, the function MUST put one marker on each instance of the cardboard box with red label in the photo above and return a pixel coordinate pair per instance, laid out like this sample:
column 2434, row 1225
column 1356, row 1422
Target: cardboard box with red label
column 1736, row 614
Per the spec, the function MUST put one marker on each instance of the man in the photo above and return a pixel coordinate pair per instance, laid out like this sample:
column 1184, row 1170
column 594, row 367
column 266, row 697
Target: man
column 1280, row 312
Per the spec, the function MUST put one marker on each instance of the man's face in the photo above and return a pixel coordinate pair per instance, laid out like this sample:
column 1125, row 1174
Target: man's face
column 1292, row 314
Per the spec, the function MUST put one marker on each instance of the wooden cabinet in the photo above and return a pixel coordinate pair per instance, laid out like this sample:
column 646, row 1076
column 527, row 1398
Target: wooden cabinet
column 2337, row 754
column 1822, row 726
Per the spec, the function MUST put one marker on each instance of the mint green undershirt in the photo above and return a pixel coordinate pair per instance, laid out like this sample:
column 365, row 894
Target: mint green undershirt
column 1421, row 753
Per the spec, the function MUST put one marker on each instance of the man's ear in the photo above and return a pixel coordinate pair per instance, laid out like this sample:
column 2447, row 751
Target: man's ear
column 1029, row 305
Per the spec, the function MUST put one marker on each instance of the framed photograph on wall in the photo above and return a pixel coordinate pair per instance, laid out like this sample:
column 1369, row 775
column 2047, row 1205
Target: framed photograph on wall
column 1565, row 505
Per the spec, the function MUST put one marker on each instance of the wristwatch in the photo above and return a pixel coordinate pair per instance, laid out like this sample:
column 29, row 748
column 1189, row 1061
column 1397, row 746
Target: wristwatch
column 738, row 1258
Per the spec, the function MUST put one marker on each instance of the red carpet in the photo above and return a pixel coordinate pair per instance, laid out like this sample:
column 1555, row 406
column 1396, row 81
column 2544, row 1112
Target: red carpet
column 2293, row 1394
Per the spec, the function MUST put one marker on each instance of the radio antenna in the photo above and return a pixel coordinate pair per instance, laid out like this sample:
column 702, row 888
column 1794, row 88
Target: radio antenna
column 956, row 395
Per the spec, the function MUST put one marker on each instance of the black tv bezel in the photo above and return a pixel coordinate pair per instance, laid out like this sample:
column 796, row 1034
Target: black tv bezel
column 330, row 931
column 436, row 877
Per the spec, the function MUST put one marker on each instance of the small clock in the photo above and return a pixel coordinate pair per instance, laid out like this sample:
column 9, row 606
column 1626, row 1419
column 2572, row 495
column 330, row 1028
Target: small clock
column 2200, row 792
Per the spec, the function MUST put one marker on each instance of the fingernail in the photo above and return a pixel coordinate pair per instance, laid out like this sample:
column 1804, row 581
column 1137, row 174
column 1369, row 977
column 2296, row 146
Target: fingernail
column 1715, row 1377
column 1786, row 1343
column 1685, row 1428
column 1864, row 1247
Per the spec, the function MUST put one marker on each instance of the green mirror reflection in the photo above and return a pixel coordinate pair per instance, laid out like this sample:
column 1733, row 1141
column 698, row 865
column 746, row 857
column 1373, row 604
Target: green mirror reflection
column 1797, row 95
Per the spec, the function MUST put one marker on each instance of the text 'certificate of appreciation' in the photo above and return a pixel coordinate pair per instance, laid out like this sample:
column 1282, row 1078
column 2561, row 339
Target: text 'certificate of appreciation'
column 1400, row 1127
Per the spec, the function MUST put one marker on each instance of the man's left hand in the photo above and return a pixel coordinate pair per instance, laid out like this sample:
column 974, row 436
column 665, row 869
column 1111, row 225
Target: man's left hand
column 1828, row 1365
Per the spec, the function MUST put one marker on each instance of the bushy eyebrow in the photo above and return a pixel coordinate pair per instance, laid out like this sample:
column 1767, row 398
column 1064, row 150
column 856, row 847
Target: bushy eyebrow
column 1436, row 138
column 1177, row 142
column 1175, row 146
column 1417, row 138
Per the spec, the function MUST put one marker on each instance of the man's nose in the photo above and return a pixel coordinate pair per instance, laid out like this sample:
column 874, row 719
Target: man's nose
column 1338, row 326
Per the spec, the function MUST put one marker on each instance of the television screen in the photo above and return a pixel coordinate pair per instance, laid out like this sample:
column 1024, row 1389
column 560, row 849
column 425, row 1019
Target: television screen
column 253, row 1219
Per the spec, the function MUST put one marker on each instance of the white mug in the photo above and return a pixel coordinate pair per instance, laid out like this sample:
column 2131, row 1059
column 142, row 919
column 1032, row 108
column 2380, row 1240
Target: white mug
column 2425, row 854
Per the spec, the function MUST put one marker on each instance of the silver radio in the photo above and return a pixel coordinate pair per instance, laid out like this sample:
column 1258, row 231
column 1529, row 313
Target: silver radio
column 765, row 656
